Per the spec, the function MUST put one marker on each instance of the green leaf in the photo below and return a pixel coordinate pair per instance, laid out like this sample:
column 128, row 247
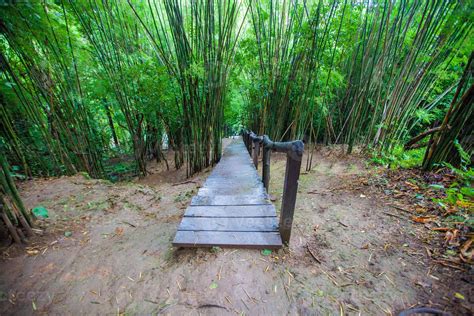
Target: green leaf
column 459, row 295
column 437, row 186
column 67, row 234
column 10, row 84
column 215, row 249
column 40, row 211
column 450, row 252
column 213, row 285
column 266, row 252
column 467, row 191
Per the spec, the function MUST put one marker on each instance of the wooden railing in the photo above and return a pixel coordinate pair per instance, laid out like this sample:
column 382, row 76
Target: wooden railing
column 294, row 153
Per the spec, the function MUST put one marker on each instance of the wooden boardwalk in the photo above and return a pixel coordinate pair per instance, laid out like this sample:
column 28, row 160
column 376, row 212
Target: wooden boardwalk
column 232, row 208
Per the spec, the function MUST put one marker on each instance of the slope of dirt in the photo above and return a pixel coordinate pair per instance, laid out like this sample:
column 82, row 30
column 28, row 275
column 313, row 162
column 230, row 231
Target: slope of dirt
column 349, row 253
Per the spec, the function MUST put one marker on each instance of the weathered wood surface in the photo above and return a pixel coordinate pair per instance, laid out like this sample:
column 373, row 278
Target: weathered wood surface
column 290, row 189
column 232, row 208
column 247, row 199
column 230, row 224
column 294, row 154
column 227, row 239
column 231, row 211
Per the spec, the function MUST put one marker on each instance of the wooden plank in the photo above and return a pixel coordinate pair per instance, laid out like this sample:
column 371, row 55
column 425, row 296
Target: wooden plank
column 230, row 200
column 232, row 184
column 239, row 224
column 224, row 177
column 271, row 240
column 245, row 170
column 234, row 190
column 231, row 211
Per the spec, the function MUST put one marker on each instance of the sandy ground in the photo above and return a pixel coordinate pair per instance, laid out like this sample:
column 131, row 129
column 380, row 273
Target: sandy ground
column 350, row 252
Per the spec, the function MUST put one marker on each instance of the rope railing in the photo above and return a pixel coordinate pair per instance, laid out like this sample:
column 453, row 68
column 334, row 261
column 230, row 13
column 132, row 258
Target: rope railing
column 294, row 153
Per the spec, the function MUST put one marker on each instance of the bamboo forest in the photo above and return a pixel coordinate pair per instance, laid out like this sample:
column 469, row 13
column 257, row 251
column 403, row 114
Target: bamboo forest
column 236, row 157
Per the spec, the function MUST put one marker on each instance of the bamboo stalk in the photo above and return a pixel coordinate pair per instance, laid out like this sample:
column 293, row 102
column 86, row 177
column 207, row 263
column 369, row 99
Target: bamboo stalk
column 9, row 225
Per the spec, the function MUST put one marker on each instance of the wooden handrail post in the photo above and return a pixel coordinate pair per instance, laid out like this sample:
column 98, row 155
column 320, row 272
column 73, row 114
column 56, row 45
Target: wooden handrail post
column 245, row 138
column 290, row 189
column 249, row 143
column 255, row 151
column 294, row 156
column 266, row 163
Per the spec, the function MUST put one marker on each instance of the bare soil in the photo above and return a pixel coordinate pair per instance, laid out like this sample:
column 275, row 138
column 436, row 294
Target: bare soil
column 106, row 248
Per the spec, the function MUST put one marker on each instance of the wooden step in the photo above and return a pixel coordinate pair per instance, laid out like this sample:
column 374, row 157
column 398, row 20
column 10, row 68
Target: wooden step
column 258, row 191
column 258, row 240
column 230, row 200
column 230, row 224
column 231, row 211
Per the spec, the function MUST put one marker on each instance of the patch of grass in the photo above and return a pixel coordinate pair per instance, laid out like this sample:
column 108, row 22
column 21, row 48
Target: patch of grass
column 132, row 206
column 99, row 205
column 183, row 196
column 215, row 249
column 400, row 158
column 169, row 255
column 121, row 171
column 85, row 175
column 352, row 167
column 459, row 199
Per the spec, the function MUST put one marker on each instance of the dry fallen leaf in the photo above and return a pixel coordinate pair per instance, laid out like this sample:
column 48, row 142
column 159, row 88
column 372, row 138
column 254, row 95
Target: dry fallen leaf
column 422, row 219
column 459, row 295
column 465, row 204
column 32, row 252
column 420, row 209
column 442, row 229
column 414, row 186
column 451, row 237
column 467, row 254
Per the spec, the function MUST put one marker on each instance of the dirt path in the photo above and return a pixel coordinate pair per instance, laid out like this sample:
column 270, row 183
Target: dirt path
column 350, row 253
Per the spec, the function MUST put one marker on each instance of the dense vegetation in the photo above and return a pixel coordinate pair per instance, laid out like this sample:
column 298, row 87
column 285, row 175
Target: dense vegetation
column 85, row 81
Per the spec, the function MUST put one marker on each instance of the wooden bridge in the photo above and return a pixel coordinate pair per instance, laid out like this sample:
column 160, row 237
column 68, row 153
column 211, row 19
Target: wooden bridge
column 232, row 209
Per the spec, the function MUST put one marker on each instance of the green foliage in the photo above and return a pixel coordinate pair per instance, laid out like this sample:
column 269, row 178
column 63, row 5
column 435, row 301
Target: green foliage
column 88, row 81
column 374, row 77
column 399, row 158
column 465, row 161
column 122, row 170
column 184, row 196
column 464, row 173
column 424, row 116
column 460, row 194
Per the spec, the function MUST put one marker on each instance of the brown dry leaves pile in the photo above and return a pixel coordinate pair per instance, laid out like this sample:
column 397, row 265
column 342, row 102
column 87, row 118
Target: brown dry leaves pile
column 417, row 194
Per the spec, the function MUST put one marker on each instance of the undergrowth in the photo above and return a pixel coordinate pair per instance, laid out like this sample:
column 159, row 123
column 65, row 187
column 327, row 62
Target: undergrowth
column 399, row 158
column 459, row 200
